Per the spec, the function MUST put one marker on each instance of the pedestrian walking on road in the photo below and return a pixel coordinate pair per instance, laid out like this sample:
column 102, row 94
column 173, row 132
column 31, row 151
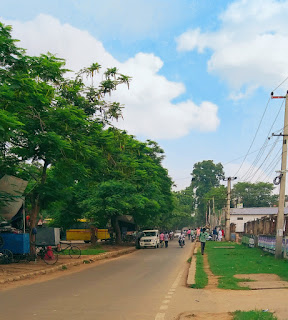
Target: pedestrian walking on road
column 166, row 239
column 215, row 233
column 202, row 238
column 223, row 234
column 161, row 238
column 220, row 235
column 189, row 234
column 198, row 233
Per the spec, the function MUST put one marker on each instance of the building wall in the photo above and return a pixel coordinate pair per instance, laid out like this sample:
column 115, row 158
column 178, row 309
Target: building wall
column 240, row 223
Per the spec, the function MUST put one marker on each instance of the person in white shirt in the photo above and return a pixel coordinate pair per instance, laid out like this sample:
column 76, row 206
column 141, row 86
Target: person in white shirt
column 182, row 238
column 220, row 235
column 166, row 239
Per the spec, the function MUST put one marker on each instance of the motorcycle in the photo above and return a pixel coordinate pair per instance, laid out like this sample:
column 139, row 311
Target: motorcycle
column 193, row 237
column 181, row 243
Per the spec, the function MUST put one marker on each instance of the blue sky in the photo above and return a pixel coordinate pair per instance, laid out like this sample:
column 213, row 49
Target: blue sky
column 202, row 71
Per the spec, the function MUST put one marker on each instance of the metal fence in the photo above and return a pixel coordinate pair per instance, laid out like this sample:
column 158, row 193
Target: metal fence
column 265, row 242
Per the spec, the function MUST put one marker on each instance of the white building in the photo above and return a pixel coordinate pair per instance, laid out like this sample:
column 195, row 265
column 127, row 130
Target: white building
column 240, row 216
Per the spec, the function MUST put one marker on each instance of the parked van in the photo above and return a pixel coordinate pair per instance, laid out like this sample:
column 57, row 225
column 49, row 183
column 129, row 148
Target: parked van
column 150, row 238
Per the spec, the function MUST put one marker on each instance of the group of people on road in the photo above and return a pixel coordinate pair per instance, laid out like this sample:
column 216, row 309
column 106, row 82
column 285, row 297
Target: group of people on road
column 217, row 234
column 164, row 237
column 199, row 234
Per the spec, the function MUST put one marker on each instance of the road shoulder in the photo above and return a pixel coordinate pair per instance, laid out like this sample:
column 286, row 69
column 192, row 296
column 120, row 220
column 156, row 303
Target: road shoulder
column 15, row 275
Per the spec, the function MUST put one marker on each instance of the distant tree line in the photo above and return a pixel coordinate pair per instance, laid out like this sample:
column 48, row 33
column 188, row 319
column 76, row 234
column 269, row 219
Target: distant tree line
column 206, row 190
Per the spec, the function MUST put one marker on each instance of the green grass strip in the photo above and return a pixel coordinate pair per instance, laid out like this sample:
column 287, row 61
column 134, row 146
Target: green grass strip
column 228, row 259
column 253, row 315
column 201, row 278
column 85, row 252
column 92, row 251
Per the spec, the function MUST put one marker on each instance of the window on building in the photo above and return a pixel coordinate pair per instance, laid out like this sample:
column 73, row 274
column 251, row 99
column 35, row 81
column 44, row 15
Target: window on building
column 240, row 218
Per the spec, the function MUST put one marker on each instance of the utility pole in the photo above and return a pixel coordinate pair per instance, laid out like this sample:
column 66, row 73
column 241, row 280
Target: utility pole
column 282, row 177
column 213, row 214
column 227, row 215
column 209, row 214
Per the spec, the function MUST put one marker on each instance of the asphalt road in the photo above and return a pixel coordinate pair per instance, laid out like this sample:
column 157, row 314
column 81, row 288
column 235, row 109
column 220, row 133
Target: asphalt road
column 131, row 287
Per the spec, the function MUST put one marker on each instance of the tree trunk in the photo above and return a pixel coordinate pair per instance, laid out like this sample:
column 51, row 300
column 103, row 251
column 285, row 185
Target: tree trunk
column 93, row 235
column 36, row 209
column 33, row 219
column 115, row 225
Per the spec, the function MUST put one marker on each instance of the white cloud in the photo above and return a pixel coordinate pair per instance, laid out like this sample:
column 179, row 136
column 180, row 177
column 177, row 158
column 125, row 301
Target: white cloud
column 46, row 34
column 149, row 110
column 250, row 47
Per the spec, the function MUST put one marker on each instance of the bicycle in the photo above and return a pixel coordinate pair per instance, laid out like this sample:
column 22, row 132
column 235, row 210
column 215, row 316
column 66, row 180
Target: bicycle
column 47, row 254
column 25, row 257
column 73, row 251
column 6, row 256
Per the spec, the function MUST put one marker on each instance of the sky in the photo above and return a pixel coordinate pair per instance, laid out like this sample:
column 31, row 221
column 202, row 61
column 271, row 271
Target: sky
column 202, row 72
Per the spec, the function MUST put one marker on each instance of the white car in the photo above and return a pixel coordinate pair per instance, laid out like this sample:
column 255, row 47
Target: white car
column 150, row 239
column 177, row 233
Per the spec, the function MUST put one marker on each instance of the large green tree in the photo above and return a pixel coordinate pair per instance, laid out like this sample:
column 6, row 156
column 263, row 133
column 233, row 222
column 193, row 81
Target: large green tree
column 216, row 200
column 206, row 175
column 184, row 209
column 57, row 134
column 50, row 118
column 135, row 184
column 254, row 194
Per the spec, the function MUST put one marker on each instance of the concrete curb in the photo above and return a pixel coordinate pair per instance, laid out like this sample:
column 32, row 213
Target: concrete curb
column 88, row 260
column 192, row 268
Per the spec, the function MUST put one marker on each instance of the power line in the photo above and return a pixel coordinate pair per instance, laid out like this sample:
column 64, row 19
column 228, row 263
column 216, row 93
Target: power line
column 254, row 136
column 267, row 156
column 276, row 163
column 280, row 84
column 272, row 163
column 224, row 164
column 262, row 150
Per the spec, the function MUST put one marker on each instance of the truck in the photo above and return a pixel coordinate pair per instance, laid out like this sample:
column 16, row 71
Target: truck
column 85, row 234
column 150, row 238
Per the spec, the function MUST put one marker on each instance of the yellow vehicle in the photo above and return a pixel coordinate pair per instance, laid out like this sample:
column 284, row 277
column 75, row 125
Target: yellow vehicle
column 102, row 234
column 78, row 234
column 85, row 234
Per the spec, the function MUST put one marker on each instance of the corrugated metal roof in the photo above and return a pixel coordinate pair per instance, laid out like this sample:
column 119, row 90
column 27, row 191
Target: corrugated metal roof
column 252, row 211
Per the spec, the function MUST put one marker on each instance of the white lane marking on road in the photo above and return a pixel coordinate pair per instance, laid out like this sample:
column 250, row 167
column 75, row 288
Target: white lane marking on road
column 160, row 316
column 164, row 306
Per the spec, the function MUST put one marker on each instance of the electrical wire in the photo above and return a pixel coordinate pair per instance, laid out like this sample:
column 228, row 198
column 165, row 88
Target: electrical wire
column 280, row 84
column 267, row 157
column 263, row 146
column 254, row 136
column 269, row 165
column 224, row 164
column 276, row 163
column 262, row 150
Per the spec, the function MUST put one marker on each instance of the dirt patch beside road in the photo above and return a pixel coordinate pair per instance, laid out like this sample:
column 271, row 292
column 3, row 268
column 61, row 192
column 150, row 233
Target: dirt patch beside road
column 268, row 293
column 260, row 281
column 22, row 273
column 212, row 279
column 205, row 316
